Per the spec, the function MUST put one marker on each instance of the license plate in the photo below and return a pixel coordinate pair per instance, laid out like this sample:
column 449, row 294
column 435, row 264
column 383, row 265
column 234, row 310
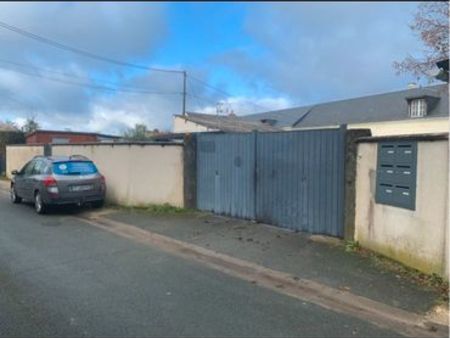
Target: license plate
column 85, row 187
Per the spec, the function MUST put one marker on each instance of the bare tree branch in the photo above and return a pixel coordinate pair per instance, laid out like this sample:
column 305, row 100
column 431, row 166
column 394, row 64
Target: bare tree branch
column 431, row 25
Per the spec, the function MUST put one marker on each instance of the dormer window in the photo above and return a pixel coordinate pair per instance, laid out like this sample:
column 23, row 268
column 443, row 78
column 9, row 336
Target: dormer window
column 417, row 108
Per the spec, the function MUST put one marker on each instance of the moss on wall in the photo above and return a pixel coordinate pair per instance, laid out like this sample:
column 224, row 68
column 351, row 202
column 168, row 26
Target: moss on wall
column 408, row 258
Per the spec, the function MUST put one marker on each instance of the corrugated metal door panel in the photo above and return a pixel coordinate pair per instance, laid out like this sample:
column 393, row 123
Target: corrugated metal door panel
column 208, row 181
column 295, row 179
column 225, row 176
column 301, row 180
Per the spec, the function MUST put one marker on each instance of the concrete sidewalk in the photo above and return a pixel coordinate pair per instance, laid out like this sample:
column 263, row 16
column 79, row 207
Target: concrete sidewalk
column 294, row 253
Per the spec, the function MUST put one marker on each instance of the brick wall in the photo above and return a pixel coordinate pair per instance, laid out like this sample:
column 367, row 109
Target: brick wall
column 48, row 137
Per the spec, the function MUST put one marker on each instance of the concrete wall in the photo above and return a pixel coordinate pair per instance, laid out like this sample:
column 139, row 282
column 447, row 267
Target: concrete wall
column 418, row 126
column 418, row 238
column 413, row 126
column 8, row 137
column 18, row 156
column 181, row 125
column 136, row 174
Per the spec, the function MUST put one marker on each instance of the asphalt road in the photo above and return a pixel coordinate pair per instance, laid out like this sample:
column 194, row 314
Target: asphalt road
column 62, row 277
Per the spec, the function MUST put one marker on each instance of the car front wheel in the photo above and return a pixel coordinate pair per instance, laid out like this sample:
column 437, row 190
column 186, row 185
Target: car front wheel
column 39, row 204
column 14, row 198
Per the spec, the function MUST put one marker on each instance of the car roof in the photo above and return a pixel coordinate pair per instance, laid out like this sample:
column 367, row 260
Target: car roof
column 70, row 158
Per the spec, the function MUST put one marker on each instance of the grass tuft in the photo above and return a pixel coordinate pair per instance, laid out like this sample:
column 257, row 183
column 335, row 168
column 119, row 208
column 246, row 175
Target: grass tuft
column 159, row 209
column 352, row 246
column 164, row 209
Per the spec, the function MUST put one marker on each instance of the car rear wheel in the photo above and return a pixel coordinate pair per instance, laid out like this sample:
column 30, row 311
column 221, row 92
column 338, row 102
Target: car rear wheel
column 14, row 198
column 39, row 204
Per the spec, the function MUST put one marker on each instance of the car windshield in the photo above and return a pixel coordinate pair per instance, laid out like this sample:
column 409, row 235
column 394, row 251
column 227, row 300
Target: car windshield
column 74, row 168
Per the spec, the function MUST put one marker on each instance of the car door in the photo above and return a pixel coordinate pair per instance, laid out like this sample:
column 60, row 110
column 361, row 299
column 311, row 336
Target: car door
column 27, row 181
column 20, row 179
column 32, row 178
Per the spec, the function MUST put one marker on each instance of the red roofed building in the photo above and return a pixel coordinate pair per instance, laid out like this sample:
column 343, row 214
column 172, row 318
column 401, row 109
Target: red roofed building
column 67, row 137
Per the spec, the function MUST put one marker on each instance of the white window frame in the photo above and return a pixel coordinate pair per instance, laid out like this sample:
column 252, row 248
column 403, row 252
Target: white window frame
column 417, row 108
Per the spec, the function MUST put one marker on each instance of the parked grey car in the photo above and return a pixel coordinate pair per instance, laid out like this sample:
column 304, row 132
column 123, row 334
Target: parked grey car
column 48, row 180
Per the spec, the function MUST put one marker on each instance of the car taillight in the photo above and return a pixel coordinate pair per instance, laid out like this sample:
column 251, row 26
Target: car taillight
column 103, row 179
column 49, row 181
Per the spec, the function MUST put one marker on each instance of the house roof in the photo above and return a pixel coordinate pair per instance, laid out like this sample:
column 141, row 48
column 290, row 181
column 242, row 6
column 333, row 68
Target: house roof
column 46, row 131
column 391, row 106
column 7, row 127
column 227, row 123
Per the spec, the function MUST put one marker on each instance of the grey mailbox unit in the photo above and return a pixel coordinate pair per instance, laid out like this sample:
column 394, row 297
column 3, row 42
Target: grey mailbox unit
column 396, row 174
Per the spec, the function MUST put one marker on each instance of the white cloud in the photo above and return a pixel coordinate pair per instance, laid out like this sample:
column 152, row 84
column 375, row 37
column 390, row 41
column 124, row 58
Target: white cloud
column 117, row 120
column 307, row 53
column 323, row 51
column 19, row 121
column 124, row 31
column 115, row 30
column 241, row 105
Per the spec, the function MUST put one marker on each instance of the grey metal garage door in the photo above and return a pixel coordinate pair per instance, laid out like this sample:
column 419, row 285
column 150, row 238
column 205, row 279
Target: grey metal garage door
column 291, row 179
column 225, row 174
column 300, row 180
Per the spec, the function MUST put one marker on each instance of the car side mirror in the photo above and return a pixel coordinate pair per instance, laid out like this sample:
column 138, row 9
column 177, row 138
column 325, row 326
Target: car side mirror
column 15, row 172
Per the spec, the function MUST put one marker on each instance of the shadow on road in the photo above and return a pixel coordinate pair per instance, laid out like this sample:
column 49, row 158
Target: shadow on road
column 62, row 210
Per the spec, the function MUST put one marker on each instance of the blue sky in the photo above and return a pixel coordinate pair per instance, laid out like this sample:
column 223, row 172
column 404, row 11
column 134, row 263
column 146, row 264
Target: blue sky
column 265, row 55
column 200, row 31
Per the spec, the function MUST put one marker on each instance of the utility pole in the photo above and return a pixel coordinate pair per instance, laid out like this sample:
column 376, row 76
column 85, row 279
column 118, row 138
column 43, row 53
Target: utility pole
column 184, row 92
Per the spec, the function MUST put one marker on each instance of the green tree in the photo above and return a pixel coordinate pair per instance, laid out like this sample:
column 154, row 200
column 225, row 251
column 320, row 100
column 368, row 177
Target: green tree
column 30, row 125
column 140, row 132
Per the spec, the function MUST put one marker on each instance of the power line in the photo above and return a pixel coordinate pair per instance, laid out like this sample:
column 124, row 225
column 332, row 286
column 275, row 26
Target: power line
column 202, row 98
column 95, row 56
column 195, row 95
column 51, row 71
column 194, row 92
column 92, row 86
column 91, row 55
column 10, row 96
column 231, row 106
column 199, row 99
column 205, row 84
column 81, row 51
